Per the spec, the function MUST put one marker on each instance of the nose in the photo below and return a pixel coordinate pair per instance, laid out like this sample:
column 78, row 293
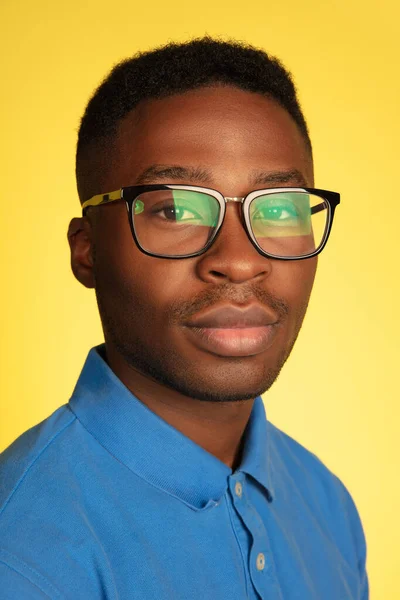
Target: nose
column 232, row 256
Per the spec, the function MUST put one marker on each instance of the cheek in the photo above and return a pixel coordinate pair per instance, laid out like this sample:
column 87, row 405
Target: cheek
column 293, row 281
column 140, row 288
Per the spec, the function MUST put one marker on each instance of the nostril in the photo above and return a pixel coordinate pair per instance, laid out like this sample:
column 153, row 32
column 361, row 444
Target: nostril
column 217, row 274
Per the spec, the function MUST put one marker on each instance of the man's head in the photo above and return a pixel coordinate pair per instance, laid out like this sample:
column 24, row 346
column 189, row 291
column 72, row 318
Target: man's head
column 230, row 113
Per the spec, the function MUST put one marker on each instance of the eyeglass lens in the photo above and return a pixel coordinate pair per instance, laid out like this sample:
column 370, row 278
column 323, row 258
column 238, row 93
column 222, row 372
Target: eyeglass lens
column 178, row 222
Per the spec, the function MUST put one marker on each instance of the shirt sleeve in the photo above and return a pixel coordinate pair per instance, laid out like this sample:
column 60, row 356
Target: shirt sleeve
column 18, row 580
column 359, row 542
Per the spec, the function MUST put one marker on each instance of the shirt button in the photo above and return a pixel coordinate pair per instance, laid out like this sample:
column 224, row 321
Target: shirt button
column 260, row 561
column 238, row 489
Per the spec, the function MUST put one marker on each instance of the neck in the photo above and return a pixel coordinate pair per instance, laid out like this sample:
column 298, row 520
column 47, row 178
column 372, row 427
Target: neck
column 218, row 427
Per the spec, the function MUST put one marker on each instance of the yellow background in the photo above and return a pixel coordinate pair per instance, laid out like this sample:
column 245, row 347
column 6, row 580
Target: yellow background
column 338, row 393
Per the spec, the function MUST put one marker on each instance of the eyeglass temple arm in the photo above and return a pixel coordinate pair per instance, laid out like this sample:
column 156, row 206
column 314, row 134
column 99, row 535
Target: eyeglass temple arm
column 318, row 208
column 102, row 199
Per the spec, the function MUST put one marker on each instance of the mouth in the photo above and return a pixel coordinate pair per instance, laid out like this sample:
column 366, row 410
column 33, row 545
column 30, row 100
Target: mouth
column 234, row 341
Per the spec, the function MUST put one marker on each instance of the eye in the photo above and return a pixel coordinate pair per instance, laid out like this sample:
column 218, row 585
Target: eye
column 276, row 211
column 177, row 213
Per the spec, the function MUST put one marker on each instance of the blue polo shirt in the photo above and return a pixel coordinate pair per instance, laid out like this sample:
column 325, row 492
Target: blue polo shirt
column 106, row 500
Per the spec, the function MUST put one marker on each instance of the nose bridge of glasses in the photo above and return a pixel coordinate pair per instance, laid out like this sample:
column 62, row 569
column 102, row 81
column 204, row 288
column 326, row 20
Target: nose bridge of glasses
column 238, row 201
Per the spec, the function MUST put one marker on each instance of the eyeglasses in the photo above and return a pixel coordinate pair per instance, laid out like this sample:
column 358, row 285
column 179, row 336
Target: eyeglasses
column 181, row 221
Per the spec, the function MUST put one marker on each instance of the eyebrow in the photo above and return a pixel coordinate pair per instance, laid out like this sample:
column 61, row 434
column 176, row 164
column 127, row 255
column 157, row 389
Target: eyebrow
column 291, row 176
column 167, row 172
column 201, row 175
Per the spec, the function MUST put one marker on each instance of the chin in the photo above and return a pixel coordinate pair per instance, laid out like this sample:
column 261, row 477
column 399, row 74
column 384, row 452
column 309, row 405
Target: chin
column 232, row 384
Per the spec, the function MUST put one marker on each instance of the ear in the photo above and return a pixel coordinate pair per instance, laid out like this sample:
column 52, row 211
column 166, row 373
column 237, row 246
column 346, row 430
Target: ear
column 80, row 239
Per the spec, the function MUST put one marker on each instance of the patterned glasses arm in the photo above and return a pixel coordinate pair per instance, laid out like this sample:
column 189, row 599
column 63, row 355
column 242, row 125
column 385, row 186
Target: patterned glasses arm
column 102, row 199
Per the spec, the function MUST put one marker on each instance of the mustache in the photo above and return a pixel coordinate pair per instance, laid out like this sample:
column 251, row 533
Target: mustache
column 185, row 309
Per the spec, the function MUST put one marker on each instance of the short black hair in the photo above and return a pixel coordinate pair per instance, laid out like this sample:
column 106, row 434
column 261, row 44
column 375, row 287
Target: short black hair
column 173, row 69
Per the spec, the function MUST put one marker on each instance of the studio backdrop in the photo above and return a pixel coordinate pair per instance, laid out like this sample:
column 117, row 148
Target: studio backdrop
column 338, row 394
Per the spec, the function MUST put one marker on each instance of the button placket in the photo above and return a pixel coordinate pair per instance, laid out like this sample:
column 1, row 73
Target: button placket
column 260, row 561
column 238, row 489
column 261, row 569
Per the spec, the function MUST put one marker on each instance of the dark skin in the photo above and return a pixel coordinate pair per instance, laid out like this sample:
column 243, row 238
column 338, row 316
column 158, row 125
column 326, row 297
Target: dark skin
column 246, row 142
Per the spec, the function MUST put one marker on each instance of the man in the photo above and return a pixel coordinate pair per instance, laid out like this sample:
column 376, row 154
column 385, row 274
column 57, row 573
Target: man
column 161, row 477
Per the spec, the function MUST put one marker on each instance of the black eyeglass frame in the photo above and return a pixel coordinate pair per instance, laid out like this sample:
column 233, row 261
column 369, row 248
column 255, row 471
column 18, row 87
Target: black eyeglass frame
column 130, row 193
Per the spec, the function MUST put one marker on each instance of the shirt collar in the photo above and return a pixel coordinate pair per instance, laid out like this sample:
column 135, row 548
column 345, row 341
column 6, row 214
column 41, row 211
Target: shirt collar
column 152, row 448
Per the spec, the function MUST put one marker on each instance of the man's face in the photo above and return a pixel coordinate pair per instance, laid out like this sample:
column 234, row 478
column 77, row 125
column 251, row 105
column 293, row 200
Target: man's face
column 144, row 301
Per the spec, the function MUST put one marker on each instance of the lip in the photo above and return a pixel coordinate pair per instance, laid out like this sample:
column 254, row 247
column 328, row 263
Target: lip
column 238, row 341
column 232, row 317
column 231, row 331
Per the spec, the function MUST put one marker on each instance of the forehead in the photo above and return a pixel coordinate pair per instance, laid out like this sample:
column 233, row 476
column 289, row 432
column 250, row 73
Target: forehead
column 225, row 129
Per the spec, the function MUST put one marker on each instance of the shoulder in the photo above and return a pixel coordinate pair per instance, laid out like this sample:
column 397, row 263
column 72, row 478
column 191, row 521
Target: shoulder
column 304, row 467
column 48, row 477
column 28, row 450
column 19, row 580
column 292, row 461
column 301, row 474
column 29, row 469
